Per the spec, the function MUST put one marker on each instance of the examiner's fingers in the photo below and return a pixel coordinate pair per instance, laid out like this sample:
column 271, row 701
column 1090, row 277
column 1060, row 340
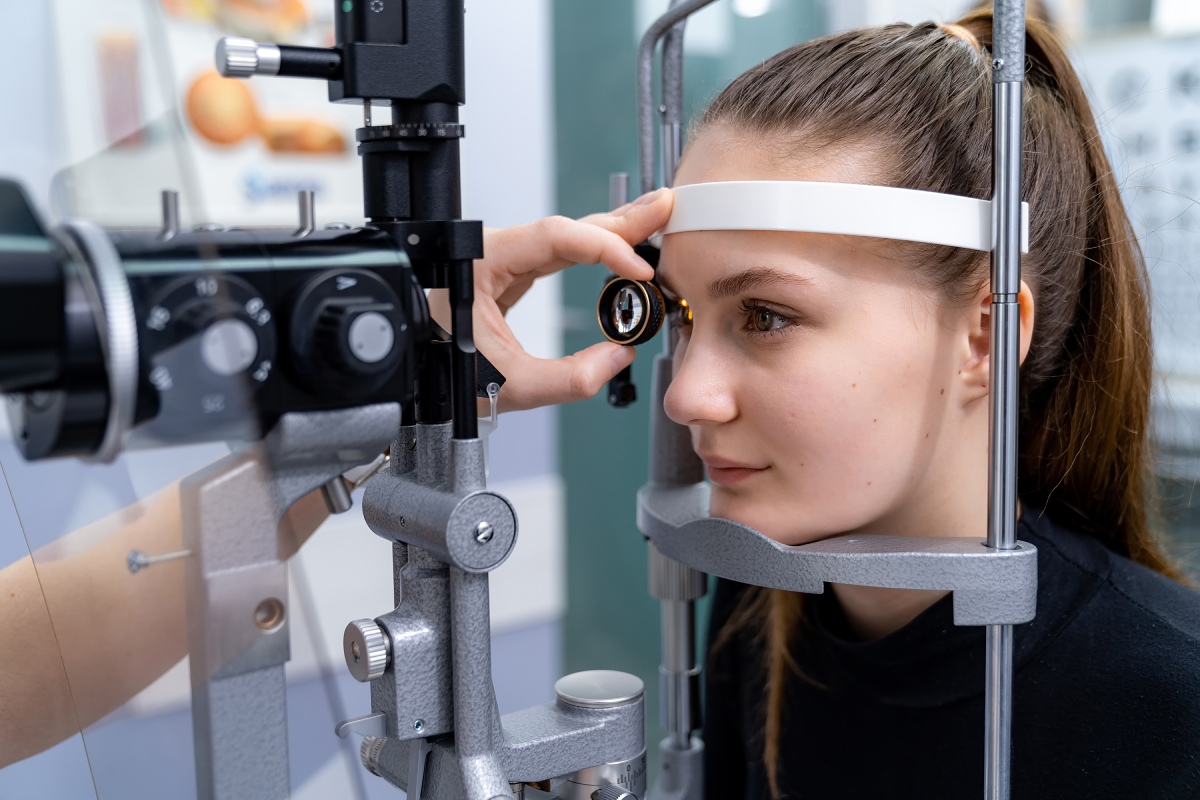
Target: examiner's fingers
column 555, row 243
column 534, row 382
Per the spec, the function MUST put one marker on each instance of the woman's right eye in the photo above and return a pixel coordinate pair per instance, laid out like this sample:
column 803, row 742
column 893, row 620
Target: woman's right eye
column 763, row 321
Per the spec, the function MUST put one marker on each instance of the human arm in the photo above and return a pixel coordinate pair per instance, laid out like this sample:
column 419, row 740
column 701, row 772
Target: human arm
column 81, row 635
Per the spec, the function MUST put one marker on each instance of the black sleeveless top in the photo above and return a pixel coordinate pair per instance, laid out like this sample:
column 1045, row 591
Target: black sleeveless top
column 1106, row 699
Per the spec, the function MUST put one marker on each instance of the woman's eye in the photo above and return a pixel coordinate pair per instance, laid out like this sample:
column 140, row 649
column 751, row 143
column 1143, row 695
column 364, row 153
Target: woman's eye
column 761, row 319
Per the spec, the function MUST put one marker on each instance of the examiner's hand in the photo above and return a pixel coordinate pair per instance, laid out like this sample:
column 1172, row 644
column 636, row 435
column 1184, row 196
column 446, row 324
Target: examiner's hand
column 515, row 257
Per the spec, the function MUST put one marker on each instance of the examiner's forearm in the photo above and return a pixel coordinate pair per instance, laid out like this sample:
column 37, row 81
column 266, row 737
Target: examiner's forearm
column 81, row 635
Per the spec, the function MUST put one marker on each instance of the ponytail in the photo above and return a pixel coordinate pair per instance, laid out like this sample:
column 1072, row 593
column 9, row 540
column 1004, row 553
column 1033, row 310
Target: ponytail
column 1085, row 387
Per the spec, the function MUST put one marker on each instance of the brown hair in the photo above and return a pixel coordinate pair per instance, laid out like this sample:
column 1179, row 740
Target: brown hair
column 921, row 96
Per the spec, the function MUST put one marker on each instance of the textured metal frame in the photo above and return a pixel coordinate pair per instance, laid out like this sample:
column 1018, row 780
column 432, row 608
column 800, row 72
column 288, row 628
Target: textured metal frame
column 438, row 679
column 238, row 618
column 990, row 586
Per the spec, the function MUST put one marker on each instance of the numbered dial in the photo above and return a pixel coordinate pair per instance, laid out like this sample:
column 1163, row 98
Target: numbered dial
column 349, row 333
column 209, row 344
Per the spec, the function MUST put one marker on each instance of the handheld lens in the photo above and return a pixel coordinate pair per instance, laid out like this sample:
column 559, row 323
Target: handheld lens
column 630, row 312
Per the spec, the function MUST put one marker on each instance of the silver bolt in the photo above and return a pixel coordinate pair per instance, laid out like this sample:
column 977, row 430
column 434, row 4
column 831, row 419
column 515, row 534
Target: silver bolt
column 998, row 64
column 414, row 239
column 484, row 532
column 419, row 725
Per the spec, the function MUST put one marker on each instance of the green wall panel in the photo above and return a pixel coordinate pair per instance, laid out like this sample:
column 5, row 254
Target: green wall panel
column 611, row 622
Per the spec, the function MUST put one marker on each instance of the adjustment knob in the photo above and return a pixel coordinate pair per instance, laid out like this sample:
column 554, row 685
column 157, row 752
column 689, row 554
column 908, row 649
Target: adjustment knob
column 367, row 649
column 357, row 337
column 240, row 58
column 612, row 792
column 349, row 334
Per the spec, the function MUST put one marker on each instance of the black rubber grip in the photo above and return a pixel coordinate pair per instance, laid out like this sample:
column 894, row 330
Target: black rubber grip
column 310, row 62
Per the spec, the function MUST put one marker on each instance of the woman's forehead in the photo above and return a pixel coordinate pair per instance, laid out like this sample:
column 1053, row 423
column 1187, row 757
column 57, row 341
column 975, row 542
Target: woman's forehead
column 721, row 153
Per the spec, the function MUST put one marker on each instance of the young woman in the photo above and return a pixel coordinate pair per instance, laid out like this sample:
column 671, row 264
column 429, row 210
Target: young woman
column 840, row 384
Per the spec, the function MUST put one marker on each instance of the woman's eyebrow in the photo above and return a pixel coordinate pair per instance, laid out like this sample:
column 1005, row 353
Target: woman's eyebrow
column 733, row 285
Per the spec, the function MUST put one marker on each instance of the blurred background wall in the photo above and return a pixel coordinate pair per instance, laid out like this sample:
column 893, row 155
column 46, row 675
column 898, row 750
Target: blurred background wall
column 99, row 121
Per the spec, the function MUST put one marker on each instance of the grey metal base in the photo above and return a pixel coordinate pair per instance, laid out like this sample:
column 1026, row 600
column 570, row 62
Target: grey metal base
column 238, row 617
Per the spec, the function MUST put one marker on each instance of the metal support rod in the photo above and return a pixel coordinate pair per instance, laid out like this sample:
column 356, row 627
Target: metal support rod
column 170, row 213
column 1008, row 74
column 308, row 212
column 462, row 296
column 645, row 84
column 618, row 190
column 475, row 716
column 671, row 95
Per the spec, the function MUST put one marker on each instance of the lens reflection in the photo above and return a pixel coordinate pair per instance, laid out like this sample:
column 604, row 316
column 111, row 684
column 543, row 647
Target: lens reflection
column 627, row 310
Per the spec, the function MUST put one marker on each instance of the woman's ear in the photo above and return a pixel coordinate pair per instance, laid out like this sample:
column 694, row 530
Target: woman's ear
column 974, row 374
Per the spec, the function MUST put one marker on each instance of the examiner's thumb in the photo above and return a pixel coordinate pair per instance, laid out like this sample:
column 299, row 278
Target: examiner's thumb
column 645, row 215
column 595, row 366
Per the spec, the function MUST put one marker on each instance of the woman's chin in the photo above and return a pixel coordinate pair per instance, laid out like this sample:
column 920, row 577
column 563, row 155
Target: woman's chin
column 785, row 529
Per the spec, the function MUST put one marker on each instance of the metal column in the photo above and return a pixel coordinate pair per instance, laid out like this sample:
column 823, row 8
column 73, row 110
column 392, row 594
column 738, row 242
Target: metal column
column 1008, row 50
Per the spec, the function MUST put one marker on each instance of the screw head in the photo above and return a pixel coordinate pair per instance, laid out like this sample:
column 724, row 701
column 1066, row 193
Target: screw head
column 419, row 725
column 998, row 64
column 484, row 532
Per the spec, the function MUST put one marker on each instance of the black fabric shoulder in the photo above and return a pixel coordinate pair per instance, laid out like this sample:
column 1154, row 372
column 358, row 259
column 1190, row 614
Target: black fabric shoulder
column 1163, row 600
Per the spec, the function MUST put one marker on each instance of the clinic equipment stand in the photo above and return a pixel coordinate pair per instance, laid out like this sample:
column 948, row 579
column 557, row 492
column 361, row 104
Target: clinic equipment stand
column 429, row 660
column 237, row 601
column 993, row 584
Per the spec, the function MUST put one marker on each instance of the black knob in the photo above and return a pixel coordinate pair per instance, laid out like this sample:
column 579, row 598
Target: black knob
column 349, row 334
column 357, row 336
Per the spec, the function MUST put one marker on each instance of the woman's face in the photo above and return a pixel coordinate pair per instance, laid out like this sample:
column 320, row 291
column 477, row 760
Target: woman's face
column 818, row 377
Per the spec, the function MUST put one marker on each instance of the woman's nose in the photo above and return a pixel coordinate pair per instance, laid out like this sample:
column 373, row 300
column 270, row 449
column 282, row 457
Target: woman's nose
column 702, row 389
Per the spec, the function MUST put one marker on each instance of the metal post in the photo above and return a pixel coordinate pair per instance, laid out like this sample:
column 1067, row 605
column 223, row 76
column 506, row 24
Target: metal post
column 238, row 619
column 1008, row 74
column 645, row 83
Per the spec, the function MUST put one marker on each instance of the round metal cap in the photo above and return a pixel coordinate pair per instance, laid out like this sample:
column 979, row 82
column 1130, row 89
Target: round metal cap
column 237, row 57
column 599, row 688
column 367, row 649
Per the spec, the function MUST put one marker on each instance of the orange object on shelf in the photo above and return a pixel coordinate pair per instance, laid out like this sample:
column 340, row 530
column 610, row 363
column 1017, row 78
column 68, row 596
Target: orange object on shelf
column 223, row 111
column 301, row 136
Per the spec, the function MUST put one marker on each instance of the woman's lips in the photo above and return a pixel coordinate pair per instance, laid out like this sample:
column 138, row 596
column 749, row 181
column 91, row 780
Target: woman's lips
column 729, row 473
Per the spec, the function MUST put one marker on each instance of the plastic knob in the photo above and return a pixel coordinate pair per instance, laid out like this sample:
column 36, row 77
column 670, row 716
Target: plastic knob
column 367, row 649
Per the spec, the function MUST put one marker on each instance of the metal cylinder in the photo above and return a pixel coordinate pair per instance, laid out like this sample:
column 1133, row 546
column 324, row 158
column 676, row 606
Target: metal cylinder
column 1009, row 73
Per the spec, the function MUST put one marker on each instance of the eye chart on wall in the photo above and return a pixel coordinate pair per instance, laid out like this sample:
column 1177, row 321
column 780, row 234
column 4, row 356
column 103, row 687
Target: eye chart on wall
column 1145, row 91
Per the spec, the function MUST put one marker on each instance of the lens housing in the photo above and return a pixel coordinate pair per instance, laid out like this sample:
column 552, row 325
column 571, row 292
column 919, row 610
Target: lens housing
column 630, row 312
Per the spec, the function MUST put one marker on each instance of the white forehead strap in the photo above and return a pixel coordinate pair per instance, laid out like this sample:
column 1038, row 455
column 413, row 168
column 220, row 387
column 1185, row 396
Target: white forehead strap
column 850, row 209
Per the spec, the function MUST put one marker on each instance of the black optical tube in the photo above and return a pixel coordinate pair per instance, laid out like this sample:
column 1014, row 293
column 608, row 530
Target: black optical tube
column 462, row 298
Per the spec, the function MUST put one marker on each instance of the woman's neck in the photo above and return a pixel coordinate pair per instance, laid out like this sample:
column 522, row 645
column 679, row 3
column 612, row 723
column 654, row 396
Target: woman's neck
column 953, row 501
column 873, row 612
